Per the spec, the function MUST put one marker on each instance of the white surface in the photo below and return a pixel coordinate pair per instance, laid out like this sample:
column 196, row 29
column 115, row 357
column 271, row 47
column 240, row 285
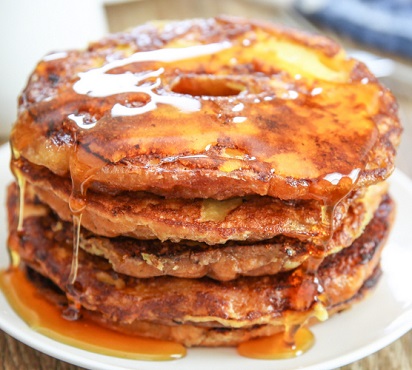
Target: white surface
column 367, row 327
column 31, row 29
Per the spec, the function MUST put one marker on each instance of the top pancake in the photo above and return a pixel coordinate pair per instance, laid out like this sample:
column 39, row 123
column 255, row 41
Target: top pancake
column 211, row 109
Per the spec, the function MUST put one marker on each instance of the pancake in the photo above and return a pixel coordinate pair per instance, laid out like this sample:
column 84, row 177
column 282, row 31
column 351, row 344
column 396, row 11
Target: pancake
column 242, row 303
column 190, row 259
column 212, row 108
column 254, row 218
column 187, row 259
column 192, row 334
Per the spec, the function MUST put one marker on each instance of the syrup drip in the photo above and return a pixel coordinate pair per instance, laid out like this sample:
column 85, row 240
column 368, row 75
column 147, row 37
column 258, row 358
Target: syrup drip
column 83, row 166
column 72, row 312
column 47, row 319
column 289, row 335
column 309, row 287
column 14, row 258
column 77, row 220
column 277, row 347
column 309, row 298
column 21, row 181
column 21, row 184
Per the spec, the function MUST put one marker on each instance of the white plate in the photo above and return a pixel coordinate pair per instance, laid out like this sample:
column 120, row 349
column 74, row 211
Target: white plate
column 367, row 327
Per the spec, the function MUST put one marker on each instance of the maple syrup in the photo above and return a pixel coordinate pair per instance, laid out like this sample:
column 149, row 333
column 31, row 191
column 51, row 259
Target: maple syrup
column 45, row 318
column 83, row 167
column 21, row 182
column 275, row 347
column 77, row 222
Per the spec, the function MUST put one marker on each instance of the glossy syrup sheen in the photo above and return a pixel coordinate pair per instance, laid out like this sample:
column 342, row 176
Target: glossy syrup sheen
column 47, row 319
column 276, row 347
column 280, row 125
column 290, row 109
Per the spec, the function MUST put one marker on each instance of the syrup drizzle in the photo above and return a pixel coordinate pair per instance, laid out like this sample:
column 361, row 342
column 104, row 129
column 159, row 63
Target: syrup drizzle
column 309, row 299
column 77, row 220
column 99, row 83
column 21, row 182
column 83, row 166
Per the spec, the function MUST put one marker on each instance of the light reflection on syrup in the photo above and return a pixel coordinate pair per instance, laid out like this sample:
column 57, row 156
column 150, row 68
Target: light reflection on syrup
column 275, row 347
column 80, row 121
column 335, row 177
column 99, row 82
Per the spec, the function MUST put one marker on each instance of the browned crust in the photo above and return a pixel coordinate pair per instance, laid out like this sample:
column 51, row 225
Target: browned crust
column 253, row 218
column 189, row 259
column 243, row 302
column 192, row 335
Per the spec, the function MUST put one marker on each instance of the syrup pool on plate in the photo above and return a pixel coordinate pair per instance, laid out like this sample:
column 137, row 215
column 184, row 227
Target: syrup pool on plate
column 277, row 347
column 45, row 318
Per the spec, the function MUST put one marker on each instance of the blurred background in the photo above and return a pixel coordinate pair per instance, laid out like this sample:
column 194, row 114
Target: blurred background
column 377, row 31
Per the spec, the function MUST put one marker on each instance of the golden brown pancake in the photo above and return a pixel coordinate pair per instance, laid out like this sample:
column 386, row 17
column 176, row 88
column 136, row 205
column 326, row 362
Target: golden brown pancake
column 192, row 334
column 242, row 303
column 190, row 259
column 254, row 218
column 211, row 108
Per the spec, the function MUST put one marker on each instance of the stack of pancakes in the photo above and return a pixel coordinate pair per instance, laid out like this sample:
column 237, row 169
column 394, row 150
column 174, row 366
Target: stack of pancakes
column 204, row 181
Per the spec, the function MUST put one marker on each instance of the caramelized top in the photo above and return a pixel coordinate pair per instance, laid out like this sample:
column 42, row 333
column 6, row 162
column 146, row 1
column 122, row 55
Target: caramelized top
column 209, row 108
